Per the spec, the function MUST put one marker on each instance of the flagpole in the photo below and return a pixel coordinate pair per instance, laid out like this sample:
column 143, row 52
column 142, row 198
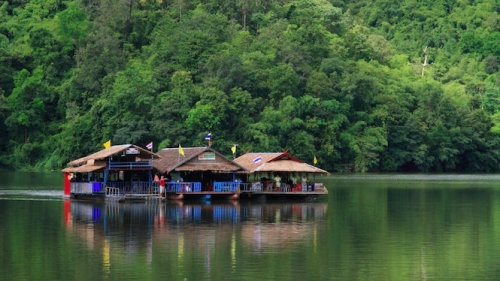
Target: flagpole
column 233, row 150
column 150, row 179
column 208, row 137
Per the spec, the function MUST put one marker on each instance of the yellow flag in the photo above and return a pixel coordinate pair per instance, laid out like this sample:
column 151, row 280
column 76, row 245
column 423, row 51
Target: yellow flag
column 107, row 144
column 233, row 149
column 315, row 161
column 181, row 151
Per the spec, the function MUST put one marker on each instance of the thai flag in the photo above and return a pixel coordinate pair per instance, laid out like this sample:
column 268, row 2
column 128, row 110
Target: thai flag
column 149, row 146
column 208, row 136
column 257, row 159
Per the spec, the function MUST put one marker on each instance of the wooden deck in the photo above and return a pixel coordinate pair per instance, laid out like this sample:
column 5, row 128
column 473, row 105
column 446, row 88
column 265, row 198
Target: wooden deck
column 192, row 191
column 218, row 195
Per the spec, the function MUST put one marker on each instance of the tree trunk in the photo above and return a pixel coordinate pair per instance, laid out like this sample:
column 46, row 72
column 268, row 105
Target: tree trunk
column 425, row 61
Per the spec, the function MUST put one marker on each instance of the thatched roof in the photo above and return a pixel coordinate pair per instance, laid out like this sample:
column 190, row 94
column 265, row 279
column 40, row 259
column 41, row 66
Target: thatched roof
column 89, row 167
column 276, row 162
column 96, row 161
column 171, row 160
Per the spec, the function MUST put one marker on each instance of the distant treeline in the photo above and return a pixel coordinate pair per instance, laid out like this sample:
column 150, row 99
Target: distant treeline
column 369, row 85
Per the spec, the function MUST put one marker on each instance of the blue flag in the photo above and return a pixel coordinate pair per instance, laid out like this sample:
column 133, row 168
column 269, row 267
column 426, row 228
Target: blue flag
column 257, row 159
column 208, row 136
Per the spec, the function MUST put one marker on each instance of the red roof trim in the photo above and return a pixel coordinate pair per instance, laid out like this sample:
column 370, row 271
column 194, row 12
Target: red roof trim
column 285, row 154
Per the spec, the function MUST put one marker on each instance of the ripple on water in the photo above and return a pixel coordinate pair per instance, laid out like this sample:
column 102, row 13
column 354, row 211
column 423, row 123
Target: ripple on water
column 44, row 195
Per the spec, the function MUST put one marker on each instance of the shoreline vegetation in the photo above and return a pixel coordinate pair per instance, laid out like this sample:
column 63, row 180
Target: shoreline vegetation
column 360, row 86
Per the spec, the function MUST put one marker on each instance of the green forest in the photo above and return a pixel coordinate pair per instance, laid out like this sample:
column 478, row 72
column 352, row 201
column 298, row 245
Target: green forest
column 382, row 86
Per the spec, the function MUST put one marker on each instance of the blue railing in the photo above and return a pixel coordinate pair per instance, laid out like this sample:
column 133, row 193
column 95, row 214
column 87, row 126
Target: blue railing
column 226, row 186
column 131, row 165
column 116, row 184
column 183, row 186
column 144, row 187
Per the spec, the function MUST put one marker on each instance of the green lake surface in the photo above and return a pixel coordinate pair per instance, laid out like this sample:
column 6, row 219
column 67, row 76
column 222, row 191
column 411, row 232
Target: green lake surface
column 369, row 227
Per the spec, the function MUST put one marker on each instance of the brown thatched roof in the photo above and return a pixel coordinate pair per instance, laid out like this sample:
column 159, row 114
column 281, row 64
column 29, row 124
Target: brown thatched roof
column 276, row 162
column 171, row 160
column 90, row 160
column 89, row 167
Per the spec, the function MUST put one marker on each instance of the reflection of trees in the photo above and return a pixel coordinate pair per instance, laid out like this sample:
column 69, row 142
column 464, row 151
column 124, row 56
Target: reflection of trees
column 430, row 228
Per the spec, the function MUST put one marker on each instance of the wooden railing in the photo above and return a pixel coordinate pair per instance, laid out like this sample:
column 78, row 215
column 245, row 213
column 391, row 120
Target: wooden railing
column 226, row 186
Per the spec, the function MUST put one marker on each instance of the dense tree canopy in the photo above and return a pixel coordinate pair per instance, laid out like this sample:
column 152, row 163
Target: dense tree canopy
column 345, row 81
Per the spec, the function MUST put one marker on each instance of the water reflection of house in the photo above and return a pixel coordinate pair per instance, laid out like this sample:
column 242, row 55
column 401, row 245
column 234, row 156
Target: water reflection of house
column 107, row 224
column 217, row 213
column 189, row 228
column 286, row 224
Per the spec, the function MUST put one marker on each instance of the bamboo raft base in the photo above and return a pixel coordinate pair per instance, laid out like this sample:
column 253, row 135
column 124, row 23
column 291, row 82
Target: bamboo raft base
column 203, row 195
column 117, row 198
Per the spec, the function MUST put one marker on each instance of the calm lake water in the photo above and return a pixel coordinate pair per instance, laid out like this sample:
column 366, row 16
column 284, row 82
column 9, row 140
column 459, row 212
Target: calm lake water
column 370, row 227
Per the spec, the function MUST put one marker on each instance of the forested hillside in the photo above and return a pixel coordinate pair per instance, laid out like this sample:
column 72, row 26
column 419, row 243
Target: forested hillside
column 367, row 85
